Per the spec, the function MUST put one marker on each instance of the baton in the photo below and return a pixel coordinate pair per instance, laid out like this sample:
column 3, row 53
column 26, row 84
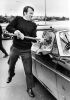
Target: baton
column 26, row 37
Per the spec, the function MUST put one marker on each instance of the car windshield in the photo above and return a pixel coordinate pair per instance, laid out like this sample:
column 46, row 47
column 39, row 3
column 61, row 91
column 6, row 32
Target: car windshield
column 63, row 42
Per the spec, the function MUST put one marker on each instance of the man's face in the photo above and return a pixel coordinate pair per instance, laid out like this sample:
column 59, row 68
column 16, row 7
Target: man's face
column 29, row 14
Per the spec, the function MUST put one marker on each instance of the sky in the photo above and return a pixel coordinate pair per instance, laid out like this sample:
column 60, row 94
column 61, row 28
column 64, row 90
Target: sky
column 53, row 7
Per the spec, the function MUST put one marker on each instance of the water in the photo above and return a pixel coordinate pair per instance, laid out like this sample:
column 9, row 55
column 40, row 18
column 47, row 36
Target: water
column 56, row 24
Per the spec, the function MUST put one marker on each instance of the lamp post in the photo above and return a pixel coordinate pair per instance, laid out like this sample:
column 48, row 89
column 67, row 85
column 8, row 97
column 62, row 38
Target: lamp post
column 45, row 11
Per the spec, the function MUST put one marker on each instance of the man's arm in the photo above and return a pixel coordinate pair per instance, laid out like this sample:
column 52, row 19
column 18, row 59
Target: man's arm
column 12, row 25
column 1, row 30
column 12, row 29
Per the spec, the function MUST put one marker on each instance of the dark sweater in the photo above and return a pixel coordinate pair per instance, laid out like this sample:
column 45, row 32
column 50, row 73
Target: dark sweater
column 28, row 28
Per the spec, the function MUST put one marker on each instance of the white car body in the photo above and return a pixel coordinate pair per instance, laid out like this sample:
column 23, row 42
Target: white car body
column 53, row 69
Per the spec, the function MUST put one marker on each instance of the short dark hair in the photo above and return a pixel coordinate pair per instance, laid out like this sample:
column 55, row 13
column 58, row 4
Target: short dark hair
column 26, row 9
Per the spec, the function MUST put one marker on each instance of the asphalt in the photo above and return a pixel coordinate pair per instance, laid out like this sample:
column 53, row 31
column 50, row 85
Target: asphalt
column 16, row 90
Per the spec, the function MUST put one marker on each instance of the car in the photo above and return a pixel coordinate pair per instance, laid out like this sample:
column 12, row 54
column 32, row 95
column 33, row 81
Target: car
column 51, row 63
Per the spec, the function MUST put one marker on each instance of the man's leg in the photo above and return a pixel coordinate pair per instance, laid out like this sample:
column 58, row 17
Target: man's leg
column 27, row 62
column 13, row 59
column 4, row 51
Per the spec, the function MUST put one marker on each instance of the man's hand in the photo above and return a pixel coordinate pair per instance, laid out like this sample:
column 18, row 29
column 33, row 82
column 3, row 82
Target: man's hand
column 19, row 34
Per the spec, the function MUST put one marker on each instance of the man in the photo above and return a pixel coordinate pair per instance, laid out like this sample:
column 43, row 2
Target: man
column 20, row 27
column 1, row 46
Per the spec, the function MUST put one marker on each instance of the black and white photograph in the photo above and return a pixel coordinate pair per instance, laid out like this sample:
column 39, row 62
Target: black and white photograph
column 34, row 50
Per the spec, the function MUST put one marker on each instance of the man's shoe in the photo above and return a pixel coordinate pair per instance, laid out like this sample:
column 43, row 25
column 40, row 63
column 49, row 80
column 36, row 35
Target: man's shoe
column 30, row 92
column 10, row 78
column 5, row 56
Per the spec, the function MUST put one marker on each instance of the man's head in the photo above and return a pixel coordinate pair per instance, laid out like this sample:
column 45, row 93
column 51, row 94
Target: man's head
column 28, row 12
